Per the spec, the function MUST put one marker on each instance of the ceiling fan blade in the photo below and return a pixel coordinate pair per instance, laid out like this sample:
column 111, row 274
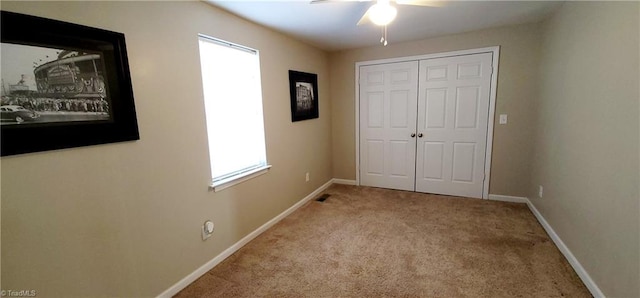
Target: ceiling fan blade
column 428, row 3
column 365, row 18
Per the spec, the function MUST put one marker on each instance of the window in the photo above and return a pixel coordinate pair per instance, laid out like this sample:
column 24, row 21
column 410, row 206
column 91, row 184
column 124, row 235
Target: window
column 233, row 106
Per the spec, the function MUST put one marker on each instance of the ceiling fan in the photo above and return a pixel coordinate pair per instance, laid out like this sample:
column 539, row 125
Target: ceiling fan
column 383, row 12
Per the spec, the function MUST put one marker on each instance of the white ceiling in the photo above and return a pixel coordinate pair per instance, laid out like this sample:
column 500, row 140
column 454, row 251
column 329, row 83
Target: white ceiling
column 332, row 26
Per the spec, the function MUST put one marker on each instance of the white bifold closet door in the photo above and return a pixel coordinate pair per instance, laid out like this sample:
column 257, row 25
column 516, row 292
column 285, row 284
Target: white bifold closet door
column 388, row 100
column 453, row 112
column 423, row 124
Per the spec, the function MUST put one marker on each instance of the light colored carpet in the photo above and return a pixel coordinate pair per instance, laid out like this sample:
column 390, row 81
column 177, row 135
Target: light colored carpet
column 371, row 242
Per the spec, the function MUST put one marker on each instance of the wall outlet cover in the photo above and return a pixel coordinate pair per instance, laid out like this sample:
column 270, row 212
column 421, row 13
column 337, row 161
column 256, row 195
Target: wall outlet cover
column 540, row 191
column 207, row 229
column 503, row 118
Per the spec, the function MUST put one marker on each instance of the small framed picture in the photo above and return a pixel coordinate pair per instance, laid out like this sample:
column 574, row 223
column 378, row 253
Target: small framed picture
column 63, row 85
column 304, row 95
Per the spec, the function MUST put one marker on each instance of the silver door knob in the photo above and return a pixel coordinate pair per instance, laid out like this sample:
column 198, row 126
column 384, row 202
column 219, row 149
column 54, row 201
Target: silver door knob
column 420, row 135
column 413, row 135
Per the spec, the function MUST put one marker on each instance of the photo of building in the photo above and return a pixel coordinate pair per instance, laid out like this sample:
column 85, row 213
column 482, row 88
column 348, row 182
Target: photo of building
column 304, row 97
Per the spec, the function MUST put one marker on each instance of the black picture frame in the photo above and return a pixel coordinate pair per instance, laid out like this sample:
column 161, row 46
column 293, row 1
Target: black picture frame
column 96, row 108
column 304, row 95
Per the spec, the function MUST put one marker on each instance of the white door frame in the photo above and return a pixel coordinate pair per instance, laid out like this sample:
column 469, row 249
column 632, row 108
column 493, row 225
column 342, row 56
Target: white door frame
column 492, row 101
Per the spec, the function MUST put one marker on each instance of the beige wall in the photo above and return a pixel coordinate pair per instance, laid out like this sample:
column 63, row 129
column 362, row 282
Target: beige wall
column 519, row 51
column 124, row 219
column 586, row 140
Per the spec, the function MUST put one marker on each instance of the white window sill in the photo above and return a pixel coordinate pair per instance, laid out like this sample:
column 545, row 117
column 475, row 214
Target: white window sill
column 231, row 181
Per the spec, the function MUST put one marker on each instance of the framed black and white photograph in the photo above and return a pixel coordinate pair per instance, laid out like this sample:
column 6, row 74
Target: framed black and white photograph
column 304, row 95
column 63, row 85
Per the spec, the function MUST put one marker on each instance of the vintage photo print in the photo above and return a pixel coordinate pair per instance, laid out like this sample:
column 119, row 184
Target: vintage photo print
column 304, row 95
column 44, row 85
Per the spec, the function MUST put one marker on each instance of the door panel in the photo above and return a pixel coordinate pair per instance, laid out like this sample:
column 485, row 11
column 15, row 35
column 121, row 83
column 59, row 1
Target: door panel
column 399, row 151
column 467, row 105
column 375, row 111
column 435, row 108
column 471, row 70
column 453, row 109
column 463, row 162
column 399, row 113
column 436, row 73
column 433, row 153
column 375, row 158
column 388, row 100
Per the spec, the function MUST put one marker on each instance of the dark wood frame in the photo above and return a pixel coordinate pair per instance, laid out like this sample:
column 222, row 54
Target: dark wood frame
column 297, row 76
column 122, row 126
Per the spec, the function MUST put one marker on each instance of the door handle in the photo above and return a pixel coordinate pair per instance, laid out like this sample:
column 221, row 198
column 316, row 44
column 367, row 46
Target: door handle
column 420, row 135
column 413, row 135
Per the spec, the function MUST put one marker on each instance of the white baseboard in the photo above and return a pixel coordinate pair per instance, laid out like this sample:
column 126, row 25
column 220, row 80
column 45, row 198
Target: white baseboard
column 343, row 181
column 183, row 283
column 582, row 273
column 508, row 199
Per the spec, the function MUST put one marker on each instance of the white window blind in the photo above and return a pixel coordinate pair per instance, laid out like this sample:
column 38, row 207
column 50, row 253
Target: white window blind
column 233, row 104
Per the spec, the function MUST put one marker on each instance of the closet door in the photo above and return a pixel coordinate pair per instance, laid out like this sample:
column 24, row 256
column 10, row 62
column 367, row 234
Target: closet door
column 453, row 111
column 388, row 100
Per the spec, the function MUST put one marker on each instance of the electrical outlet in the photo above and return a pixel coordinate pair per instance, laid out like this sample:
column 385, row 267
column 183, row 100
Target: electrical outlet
column 540, row 191
column 207, row 229
column 306, row 177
